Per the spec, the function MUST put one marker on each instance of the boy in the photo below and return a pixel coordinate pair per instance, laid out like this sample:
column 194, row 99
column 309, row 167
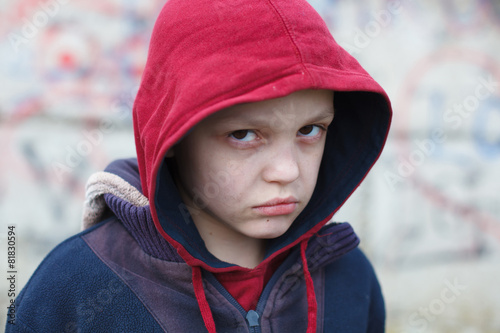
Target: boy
column 252, row 128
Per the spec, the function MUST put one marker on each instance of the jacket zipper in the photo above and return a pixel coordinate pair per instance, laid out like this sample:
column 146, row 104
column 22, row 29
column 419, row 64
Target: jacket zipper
column 253, row 316
column 253, row 321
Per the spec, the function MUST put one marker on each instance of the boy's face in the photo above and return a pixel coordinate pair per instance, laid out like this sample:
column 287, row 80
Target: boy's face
column 249, row 170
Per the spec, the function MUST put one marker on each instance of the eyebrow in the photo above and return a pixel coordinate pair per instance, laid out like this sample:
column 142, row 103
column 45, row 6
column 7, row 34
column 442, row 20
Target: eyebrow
column 326, row 113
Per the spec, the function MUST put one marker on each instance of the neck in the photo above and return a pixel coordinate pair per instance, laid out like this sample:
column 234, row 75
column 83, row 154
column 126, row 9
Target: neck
column 230, row 246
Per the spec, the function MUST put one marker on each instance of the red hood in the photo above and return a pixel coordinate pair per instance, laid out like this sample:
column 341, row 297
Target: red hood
column 206, row 55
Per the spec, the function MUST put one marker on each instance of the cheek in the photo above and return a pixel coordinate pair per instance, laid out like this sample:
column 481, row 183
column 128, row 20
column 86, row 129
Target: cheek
column 310, row 170
column 219, row 181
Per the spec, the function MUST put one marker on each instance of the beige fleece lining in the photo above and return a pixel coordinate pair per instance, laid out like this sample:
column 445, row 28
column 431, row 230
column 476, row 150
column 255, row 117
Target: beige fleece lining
column 101, row 183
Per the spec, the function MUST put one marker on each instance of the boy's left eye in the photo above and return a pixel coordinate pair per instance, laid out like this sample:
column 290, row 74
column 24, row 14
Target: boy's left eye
column 309, row 130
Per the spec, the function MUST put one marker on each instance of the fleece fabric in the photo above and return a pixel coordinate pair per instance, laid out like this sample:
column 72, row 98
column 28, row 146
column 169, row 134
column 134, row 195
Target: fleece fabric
column 141, row 264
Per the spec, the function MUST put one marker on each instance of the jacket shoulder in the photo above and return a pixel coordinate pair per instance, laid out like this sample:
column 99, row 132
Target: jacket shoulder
column 353, row 293
column 355, row 263
column 72, row 290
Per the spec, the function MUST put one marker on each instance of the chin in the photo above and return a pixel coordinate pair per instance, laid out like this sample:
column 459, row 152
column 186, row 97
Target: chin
column 269, row 230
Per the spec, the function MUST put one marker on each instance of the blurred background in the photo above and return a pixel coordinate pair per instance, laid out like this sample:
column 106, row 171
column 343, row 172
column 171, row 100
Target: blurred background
column 428, row 214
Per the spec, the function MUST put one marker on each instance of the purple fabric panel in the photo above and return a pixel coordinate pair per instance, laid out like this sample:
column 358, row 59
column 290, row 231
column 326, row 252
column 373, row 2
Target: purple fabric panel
column 286, row 310
column 165, row 288
column 332, row 242
column 139, row 223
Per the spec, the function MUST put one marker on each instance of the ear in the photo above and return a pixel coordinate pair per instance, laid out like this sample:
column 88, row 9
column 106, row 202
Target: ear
column 170, row 153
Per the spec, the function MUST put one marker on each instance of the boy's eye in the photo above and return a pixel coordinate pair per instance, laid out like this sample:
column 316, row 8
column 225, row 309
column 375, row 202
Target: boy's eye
column 309, row 130
column 243, row 135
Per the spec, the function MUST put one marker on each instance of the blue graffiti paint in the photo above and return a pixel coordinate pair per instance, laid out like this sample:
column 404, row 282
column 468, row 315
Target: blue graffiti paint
column 488, row 148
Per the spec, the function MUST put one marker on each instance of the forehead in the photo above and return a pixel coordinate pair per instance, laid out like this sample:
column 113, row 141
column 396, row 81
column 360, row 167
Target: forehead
column 300, row 106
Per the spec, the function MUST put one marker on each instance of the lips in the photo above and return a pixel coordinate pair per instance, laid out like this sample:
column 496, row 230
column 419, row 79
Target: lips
column 278, row 206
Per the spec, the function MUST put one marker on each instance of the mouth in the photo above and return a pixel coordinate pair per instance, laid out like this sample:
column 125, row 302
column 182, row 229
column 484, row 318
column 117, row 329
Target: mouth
column 278, row 206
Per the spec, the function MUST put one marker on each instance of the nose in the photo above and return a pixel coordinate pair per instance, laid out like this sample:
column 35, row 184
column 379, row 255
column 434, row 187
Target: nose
column 282, row 166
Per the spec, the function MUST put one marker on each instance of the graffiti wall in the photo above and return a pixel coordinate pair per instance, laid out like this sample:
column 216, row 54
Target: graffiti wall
column 428, row 214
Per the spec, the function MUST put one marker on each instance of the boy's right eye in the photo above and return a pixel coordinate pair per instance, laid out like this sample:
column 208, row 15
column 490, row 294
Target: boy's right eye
column 243, row 135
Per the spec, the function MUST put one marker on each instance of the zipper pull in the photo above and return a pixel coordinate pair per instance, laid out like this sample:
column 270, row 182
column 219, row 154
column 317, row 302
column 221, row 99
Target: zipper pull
column 253, row 318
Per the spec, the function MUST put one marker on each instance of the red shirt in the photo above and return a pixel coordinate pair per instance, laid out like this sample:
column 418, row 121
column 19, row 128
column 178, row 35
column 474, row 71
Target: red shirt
column 246, row 287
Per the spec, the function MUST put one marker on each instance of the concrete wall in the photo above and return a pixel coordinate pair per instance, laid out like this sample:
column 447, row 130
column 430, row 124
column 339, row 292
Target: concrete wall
column 428, row 214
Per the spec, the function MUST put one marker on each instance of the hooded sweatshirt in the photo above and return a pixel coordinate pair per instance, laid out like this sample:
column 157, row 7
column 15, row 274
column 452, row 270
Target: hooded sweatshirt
column 141, row 264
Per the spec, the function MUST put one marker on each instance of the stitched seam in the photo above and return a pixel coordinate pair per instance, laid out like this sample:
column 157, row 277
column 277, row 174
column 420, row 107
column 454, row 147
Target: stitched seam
column 292, row 39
